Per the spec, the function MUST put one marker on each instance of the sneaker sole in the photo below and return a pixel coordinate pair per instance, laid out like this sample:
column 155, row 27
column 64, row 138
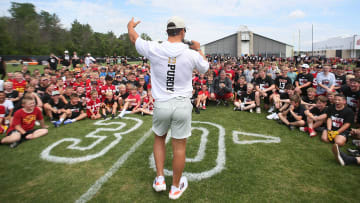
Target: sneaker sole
column 159, row 188
column 313, row 134
column 335, row 150
column 179, row 195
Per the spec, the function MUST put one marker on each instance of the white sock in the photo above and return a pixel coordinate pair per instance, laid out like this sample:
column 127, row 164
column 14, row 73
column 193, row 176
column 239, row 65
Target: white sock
column 61, row 120
column 122, row 113
column 160, row 178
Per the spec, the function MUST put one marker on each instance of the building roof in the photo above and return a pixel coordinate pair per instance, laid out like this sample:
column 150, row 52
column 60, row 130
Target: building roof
column 253, row 33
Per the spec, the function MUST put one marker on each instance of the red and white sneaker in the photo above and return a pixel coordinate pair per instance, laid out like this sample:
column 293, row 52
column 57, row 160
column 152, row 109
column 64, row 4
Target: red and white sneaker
column 312, row 132
column 175, row 192
column 204, row 107
column 159, row 184
column 304, row 129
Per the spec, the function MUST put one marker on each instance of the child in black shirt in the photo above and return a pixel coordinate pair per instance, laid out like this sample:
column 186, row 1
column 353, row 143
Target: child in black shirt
column 294, row 116
column 339, row 119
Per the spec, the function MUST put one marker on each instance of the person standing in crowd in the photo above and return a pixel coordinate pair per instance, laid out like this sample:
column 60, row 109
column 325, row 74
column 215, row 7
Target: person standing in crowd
column 89, row 60
column 66, row 59
column 75, row 60
column 53, row 62
column 173, row 63
column 2, row 68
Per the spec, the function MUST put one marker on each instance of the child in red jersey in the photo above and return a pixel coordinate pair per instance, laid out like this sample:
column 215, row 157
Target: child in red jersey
column 3, row 127
column 93, row 106
column 78, row 82
column 202, row 97
column 132, row 102
column 19, row 84
column 22, row 126
column 148, row 104
column 108, row 87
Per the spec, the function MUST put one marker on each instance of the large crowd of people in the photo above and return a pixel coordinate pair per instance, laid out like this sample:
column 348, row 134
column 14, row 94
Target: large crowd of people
column 313, row 95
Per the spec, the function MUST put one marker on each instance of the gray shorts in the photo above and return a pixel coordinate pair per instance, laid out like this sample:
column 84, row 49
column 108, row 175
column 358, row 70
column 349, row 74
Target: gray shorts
column 174, row 114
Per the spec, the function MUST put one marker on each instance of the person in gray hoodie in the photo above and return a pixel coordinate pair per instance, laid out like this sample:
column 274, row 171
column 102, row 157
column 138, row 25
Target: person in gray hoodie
column 222, row 87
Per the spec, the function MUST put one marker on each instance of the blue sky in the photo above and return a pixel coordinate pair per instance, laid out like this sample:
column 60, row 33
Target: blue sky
column 209, row 20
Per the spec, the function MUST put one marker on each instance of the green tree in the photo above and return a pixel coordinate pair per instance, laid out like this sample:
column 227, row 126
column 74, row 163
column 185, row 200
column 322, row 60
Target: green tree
column 27, row 32
column 144, row 36
column 6, row 41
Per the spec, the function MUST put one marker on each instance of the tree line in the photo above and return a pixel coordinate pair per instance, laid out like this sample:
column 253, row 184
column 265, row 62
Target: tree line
column 27, row 32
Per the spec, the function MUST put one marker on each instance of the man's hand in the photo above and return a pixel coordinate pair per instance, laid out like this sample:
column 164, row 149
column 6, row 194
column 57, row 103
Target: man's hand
column 133, row 35
column 195, row 46
column 133, row 24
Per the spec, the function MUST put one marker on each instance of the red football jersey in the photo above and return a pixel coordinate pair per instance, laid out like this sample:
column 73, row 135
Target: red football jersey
column 147, row 101
column 206, row 93
column 137, row 97
column 94, row 106
column 26, row 120
column 19, row 86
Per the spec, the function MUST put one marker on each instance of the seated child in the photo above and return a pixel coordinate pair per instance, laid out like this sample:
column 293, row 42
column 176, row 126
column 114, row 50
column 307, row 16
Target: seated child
column 202, row 97
column 73, row 111
column 316, row 116
column 22, row 125
column 309, row 100
column 294, row 116
column 132, row 102
column 339, row 119
column 109, row 105
column 93, row 106
column 54, row 108
column 246, row 101
column 148, row 104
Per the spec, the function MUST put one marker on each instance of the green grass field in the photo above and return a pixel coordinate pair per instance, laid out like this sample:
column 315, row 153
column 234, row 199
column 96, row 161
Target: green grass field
column 298, row 169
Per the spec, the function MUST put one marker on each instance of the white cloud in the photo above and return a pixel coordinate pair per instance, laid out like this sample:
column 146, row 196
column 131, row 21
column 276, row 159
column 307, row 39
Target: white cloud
column 297, row 14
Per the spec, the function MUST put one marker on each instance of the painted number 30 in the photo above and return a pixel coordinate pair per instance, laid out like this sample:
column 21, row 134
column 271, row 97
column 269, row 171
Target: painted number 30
column 192, row 176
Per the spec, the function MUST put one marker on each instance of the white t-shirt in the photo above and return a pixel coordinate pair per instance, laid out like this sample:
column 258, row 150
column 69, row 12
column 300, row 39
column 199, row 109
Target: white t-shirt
column 89, row 60
column 1, row 85
column 171, row 69
column 8, row 104
column 327, row 80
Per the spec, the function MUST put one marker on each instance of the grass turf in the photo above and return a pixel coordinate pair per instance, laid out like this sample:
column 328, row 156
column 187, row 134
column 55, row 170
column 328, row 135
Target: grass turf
column 297, row 169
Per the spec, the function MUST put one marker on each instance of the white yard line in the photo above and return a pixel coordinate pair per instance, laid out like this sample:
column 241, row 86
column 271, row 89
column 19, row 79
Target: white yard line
column 88, row 195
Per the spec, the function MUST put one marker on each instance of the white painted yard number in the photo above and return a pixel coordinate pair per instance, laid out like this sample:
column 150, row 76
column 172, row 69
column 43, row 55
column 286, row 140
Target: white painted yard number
column 268, row 139
column 220, row 159
column 46, row 154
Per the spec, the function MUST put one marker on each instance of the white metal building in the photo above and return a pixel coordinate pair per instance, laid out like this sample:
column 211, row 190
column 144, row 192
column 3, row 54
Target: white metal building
column 343, row 47
column 246, row 42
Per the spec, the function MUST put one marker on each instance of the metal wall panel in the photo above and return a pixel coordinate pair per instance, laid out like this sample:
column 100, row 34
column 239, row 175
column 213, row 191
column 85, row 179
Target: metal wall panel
column 226, row 46
column 268, row 47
